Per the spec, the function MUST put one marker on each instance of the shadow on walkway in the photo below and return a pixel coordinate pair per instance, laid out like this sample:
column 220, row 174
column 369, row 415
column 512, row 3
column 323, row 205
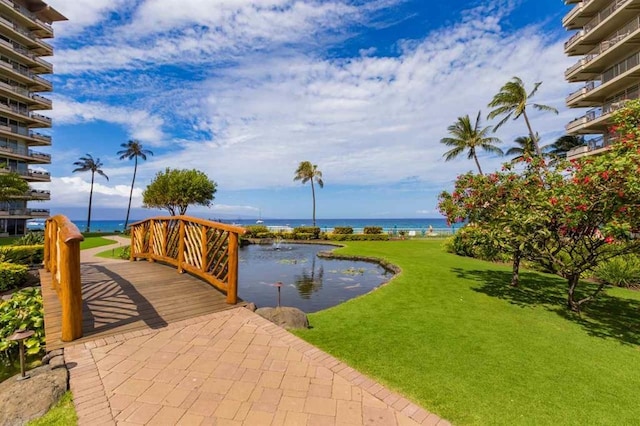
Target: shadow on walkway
column 606, row 317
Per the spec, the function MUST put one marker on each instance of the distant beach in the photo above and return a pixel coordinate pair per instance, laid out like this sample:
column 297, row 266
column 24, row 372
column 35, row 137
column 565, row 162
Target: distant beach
column 389, row 225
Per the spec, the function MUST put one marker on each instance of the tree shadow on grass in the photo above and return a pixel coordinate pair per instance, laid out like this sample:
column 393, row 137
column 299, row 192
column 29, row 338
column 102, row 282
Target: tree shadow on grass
column 606, row 317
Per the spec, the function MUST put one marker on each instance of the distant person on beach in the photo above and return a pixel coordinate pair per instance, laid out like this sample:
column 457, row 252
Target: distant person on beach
column 430, row 230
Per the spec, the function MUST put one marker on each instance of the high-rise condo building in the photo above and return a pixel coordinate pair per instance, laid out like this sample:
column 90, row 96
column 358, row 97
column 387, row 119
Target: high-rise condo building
column 606, row 45
column 24, row 25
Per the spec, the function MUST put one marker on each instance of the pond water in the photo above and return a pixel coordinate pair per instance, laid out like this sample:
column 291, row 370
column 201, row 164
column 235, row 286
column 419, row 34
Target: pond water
column 309, row 283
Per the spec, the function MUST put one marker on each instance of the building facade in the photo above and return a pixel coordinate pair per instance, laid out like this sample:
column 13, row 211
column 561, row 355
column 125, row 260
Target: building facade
column 606, row 45
column 24, row 27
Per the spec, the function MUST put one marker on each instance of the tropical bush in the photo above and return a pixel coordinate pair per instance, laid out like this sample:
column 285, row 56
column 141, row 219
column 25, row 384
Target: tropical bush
column 22, row 255
column 345, row 230
column 125, row 253
column 12, row 275
column 258, row 231
column 23, row 311
column 358, row 237
column 30, row 239
column 306, row 233
column 372, row 230
column 473, row 241
column 622, row 271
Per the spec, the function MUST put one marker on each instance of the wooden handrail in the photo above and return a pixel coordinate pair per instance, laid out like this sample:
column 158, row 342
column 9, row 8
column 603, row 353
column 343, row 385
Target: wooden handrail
column 206, row 249
column 62, row 259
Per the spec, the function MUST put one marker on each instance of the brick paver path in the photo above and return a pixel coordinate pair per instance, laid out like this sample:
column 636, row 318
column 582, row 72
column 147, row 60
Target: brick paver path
column 227, row 368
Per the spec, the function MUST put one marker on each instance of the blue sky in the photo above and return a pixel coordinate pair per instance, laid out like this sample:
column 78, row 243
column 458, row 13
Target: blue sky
column 246, row 89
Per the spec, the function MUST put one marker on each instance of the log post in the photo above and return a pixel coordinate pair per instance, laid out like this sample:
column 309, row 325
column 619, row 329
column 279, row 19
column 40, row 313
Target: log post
column 232, row 276
column 132, row 248
column 70, row 290
column 203, row 249
column 181, row 246
column 47, row 244
column 151, row 245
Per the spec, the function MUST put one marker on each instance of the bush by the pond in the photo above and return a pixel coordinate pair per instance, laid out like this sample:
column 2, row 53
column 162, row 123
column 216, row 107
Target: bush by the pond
column 30, row 239
column 258, row 231
column 12, row 275
column 473, row 241
column 306, row 233
column 23, row 310
column 22, row 255
column 344, row 230
column 358, row 237
column 372, row 230
column 623, row 271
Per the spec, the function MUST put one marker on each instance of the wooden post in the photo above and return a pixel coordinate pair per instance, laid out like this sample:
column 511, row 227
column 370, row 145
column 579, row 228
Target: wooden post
column 165, row 237
column 232, row 276
column 47, row 244
column 151, row 245
column 71, row 290
column 133, row 240
column 203, row 249
column 181, row 247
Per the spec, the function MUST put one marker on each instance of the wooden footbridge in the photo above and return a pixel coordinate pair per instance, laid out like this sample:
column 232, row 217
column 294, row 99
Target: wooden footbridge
column 87, row 301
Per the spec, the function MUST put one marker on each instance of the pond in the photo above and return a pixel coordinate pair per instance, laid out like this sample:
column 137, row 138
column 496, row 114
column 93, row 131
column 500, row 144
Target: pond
column 309, row 283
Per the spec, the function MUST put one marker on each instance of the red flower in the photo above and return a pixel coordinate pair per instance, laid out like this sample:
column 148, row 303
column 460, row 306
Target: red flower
column 582, row 207
column 609, row 240
column 553, row 201
column 605, row 175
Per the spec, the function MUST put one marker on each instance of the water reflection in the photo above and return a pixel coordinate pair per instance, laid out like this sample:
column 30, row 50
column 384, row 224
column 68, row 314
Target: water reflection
column 309, row 283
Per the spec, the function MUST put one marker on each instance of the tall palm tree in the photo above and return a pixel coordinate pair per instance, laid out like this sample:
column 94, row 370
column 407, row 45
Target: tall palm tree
column 466, row 135
column 307, row 172
column 524, row 149
column 132, row 150
column 512, row 100
column 86, row 164
column 564, row 144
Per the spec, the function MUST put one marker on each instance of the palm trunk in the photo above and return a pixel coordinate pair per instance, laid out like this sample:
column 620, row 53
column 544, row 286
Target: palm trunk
column 534, row 140
column 475, row 157
column 133, row 181
column 90, row 199
column 313, row 194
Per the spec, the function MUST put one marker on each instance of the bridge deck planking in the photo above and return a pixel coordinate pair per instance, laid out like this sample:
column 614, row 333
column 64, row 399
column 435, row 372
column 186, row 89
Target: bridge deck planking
column 119, row 297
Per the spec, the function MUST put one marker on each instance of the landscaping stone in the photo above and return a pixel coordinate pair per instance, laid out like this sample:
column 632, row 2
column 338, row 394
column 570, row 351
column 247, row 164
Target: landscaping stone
column 251, row 306
column 284, row 316
column 49, row 355
column 57, row 362
column 23, row 401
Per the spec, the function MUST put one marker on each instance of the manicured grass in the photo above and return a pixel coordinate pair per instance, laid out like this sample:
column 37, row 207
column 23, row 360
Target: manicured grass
column 113, row 253
column 92, row 242
column 7, row 241
column 61, row 414
column 450, row 334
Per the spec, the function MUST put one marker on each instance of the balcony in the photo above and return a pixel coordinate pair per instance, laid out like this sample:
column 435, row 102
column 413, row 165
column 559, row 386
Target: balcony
column 29, row 175
column 611, row 81
column 26, row 18
column 41, row 119
column 26, row 213
column 43, row 101
column 25, row 37
column 26, row 154
column 40, row 212
column 22, row 115
column 596, row 120
column 594, row 146
column 38, row 83
column 32, row 138
column 24, row 56
column 610, row 50
column 39, row 194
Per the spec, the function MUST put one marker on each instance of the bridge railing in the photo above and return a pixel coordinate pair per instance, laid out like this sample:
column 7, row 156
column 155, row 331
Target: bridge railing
column 206, row 249
column 62, row 259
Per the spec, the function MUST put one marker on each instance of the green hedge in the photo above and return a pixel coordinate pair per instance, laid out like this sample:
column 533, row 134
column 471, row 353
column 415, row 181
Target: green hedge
column 344, row 230
column 23, row 310
column 358, row 237
column 372, row 230
column 306, row 233
column 258, row 231
column 22, row 255
column 30, row 239
column 12, row 275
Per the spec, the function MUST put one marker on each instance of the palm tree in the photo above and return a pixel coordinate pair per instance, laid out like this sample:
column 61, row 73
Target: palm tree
column 307, row 172
column 469, row 136
column 564, row 144
column 87, row 163
column 524, row 149
column 512, row 100
column 132, row 150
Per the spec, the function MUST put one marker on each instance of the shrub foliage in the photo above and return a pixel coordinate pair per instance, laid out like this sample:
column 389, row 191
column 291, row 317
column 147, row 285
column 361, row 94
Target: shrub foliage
column 24, row 310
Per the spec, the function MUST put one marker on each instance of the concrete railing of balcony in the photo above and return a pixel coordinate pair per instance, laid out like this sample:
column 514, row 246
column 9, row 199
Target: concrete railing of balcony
column 573, row 39
column 604, row 14
column 42, row 81
column 26, row 153
column 40, row 117
column 573, row 13
column 16, row 89
column 42, row 99
column 38, row 174
column 40, row 212
column 39, row 193
column 40, row 155
column 40, row 136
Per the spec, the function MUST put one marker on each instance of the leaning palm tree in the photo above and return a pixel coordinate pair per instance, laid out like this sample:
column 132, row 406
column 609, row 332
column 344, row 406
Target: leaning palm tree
column 524, row 149
column 468, row 136
column 512, row 100
column 86, row 164
column 132, row 150
column 564, row 144
column 307, row 172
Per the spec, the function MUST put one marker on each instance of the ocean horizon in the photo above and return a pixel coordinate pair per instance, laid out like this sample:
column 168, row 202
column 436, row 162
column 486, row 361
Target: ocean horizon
column 388, row 224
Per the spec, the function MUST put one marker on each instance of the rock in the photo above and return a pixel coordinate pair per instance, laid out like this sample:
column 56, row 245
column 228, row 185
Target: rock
column 57, row 362
column 287, row 317
column 251, row 306
column 22, row 401
column 51, row 354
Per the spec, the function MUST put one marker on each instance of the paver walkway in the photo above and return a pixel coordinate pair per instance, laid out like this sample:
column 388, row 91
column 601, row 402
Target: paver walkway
column 226, row 368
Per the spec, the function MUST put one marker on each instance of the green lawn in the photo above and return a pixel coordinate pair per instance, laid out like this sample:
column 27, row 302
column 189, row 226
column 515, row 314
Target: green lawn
column 113, row 253
column 61, row 414
column 92, row 242
column 450, row 334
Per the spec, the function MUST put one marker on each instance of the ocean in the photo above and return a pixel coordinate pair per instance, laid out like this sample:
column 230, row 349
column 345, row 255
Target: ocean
column 389, row 225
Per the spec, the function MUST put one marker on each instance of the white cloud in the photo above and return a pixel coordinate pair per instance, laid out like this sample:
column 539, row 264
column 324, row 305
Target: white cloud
column 83, row 13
